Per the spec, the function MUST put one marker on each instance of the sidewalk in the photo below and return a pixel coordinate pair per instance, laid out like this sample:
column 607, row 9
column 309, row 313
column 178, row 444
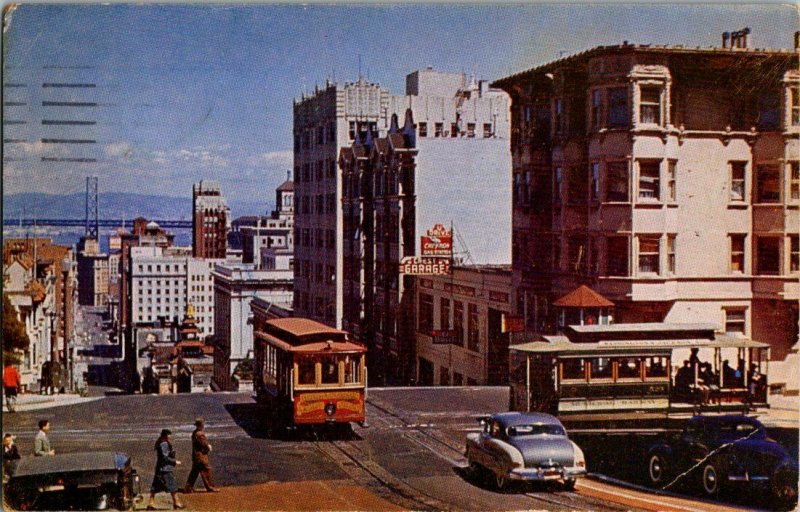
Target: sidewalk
column 35, row 401
column 784, row 411
column 330, row 495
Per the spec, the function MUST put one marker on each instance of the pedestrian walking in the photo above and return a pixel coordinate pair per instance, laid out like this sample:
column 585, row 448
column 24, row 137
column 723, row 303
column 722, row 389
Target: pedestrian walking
column 200, row 464
column 164, row 478
column 41, row 443
column 11, row 385
column 10, row 457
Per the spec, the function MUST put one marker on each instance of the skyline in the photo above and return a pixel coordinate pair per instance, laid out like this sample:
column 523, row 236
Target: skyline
column 205, row 92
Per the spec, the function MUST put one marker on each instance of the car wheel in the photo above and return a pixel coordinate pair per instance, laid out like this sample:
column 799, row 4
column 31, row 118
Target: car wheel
column 569, row 484
column 711, row 480
column 784, row 491
column 657, row 469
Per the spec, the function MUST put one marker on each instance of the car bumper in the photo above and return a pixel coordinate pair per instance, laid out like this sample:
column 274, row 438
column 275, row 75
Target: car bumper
column 544, row 474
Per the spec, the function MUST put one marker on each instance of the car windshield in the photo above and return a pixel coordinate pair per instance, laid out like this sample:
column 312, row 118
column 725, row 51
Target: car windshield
column 536, row 430
column 738, row 430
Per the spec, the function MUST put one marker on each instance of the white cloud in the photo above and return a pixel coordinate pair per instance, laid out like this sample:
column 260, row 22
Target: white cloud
column 119, row 149
column 274, row 159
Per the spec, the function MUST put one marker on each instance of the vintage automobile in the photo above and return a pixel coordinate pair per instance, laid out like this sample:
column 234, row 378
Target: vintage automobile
column 720, row 452
column 74, row 481
column 525, row 446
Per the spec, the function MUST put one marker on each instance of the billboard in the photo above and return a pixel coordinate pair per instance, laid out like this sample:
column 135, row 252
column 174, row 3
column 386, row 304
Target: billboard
column 437, row 243
column 421, row 266
column 444, row 337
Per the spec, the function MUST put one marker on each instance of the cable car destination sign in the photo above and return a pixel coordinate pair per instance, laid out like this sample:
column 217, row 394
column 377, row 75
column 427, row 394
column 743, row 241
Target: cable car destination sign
column 437, row 253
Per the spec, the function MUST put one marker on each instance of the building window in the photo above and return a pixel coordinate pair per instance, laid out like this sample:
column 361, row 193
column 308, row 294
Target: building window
column 425, row 313
column 423, row 129
column 617, row 107
column 487, row 130
column 557, row 178
column 458, row 379
column 735, row 320
column 577, row 254
column 595, row 185
column 794, row 181
column 438, row 129
column 559, row 115
column 648, row 254
column 794, row 93
column 458, row 321
column 671, row 172
column 444, row 314
column 794, row 255
column 617, row 182
column 649, row 180
column 738, row 173
column 597, row 114
column 737, row 253
column 768, row 254
column 768, row 184
column 352, row 131
column 454, row 130
column 472, row 328
column 470, row 130
column 769, row 112
column 671, row 254
column 650, row 105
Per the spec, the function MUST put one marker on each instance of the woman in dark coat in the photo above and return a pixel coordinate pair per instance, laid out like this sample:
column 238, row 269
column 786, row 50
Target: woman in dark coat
column 164, row 479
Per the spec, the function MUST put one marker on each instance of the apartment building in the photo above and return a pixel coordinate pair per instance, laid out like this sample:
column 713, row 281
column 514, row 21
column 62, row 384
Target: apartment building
column 164, row 281
column 667, row 179
column 465, row 124
column 93, row 273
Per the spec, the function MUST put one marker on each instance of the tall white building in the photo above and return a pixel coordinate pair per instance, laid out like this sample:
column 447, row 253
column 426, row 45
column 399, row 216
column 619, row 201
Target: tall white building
column 462, row 126
column 165, row 280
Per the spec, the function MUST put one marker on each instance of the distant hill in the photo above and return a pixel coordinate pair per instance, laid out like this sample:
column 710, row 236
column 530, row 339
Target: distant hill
column 116, row 205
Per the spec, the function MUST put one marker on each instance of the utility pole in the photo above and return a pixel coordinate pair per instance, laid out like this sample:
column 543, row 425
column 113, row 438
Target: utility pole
column 92, row 209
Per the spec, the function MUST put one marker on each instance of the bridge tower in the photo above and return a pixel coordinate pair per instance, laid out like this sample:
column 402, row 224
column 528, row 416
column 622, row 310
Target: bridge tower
column 92, row 210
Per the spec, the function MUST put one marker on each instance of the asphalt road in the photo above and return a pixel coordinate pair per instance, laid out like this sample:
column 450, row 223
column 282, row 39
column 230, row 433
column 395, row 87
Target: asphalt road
column 410, row 454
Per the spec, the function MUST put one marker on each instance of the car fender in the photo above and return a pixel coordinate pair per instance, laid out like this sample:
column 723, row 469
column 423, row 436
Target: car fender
column 504, row 456
column 662, row 448
column 578, row 456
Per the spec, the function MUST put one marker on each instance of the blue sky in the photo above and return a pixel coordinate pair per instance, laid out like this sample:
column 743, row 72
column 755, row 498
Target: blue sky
column 192, row 92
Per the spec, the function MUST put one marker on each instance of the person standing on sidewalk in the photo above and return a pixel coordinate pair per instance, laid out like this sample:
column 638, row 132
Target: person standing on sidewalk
column 200, row 463
column 11, row 385
column 41, row 444
column 164, row 479
column 10, row 457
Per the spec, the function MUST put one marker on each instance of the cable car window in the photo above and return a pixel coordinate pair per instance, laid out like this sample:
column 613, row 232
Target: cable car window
column 573, row 369
column 628, row 368
column 601, row 368
column 350, row 369
column 330, row 370
column 656, row 367
column 306, row 371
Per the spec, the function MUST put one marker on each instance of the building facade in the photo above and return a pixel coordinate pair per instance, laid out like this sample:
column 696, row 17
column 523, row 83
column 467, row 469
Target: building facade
column 667, row 179
column 459, row 331
column 235, row 285
column 455, row 117
column 93, row 273
column 210, row 220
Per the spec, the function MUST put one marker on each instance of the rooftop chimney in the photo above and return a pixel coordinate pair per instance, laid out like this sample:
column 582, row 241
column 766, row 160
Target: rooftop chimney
column 797, row 40
column 738, row 38
column 725, row 37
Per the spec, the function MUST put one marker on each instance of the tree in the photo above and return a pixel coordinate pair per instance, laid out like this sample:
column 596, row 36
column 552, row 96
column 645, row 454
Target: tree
column 14, row 335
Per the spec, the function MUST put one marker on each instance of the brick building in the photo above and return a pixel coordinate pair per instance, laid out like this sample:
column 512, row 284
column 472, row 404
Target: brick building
column 210, row 220
column 666, row 178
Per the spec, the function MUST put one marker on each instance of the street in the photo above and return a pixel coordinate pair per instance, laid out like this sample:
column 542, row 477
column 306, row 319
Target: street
column 410, row 454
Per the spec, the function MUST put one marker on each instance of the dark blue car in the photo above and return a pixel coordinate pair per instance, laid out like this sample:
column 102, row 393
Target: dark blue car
column 720, row 453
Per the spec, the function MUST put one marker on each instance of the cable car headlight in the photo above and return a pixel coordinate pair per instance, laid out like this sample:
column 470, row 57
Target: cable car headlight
column 330, row 408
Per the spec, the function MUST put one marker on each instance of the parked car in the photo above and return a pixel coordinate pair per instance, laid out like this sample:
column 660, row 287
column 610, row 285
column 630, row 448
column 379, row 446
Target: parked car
column 74, row 481
column 521, row 446
column 723, row 452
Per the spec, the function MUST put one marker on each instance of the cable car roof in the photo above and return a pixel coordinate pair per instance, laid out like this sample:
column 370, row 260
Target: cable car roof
column 561, row 345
